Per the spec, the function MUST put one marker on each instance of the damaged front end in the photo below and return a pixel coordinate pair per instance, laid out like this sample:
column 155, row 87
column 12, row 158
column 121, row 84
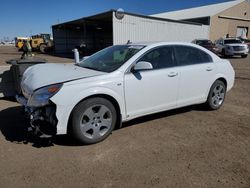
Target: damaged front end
column 43, row 121
column 40, row 110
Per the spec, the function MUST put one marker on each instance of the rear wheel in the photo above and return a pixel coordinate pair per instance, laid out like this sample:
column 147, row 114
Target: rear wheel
column 93, row 120
column 216, row 95
column 243, row 56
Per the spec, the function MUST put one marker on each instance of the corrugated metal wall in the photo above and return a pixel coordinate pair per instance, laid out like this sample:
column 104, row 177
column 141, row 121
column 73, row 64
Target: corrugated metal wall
column 140, row 29
column 135, row 28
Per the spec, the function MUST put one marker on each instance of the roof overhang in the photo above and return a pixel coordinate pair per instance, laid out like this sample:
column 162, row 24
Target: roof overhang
column 234, row 18
column 107, row 16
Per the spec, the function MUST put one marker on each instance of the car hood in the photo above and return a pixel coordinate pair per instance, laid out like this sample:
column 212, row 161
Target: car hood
column 42, row 75
column 236, row 45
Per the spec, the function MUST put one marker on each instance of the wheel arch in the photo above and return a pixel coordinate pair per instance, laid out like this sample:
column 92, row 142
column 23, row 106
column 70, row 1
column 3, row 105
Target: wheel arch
column 223, row 80
column 105, row 96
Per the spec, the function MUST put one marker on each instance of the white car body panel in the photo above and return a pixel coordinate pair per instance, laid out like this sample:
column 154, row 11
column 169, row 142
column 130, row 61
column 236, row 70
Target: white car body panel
column 197, row 77
column 45, row 74
column 144, row 86
column 111, row 85
column 135, row 97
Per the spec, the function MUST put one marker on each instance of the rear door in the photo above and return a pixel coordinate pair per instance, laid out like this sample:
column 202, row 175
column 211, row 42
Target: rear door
column 196, row 73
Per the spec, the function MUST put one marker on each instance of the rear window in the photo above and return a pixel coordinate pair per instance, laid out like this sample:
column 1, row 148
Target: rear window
column 187, row 55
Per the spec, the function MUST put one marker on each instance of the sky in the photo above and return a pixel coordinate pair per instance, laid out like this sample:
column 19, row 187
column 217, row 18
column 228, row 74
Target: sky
column 28, row 17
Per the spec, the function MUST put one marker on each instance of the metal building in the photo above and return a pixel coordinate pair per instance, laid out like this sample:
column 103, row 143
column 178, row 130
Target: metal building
column 96, row 32
column 231, row 18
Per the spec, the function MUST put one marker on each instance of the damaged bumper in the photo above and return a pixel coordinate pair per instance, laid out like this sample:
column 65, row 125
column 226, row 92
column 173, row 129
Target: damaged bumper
column 43, row 121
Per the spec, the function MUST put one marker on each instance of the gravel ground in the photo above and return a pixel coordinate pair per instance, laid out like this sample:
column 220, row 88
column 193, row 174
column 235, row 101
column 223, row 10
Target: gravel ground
column 187, row 147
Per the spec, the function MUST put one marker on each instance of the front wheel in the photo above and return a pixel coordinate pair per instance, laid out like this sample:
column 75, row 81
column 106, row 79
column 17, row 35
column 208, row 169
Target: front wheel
column 243, row 56
column 216, row 95
column 42, row 48
column 93, row 120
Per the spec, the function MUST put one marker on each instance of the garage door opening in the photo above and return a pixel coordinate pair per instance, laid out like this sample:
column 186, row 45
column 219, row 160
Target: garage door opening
column 242, row 32
column 89, row 35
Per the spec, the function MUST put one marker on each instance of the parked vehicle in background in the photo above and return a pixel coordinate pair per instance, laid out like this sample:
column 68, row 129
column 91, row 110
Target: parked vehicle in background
column 41, row 42
column 119, row 83
column 208, row 44
column 232, row 47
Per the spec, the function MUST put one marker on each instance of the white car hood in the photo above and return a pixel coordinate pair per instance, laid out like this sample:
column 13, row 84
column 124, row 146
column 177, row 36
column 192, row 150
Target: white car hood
column 42, row 75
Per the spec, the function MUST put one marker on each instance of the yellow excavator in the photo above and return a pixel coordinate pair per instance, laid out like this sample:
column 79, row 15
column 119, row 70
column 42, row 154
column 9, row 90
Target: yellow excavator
column 41, row 42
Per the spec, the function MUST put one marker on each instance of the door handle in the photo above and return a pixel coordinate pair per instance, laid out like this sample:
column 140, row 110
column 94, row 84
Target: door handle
column 209, row 69
column 172, row 74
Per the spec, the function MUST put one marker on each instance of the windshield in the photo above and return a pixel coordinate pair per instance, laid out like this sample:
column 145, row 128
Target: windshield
column 111, row 58
column 232, row 41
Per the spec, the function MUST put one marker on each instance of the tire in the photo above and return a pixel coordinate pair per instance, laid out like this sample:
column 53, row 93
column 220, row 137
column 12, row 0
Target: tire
column 223, row 53
column 93, row 120
column 42, row 48
column 216, row 95
column 243, row 56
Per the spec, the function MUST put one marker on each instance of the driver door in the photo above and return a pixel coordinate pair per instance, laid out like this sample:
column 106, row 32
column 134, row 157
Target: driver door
column 153, row 90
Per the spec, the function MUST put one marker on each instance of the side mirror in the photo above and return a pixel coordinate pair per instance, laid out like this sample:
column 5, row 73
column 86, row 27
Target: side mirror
column 142, row 65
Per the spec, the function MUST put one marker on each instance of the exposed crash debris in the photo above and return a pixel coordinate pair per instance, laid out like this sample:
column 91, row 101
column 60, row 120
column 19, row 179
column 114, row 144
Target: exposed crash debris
column 43, row 120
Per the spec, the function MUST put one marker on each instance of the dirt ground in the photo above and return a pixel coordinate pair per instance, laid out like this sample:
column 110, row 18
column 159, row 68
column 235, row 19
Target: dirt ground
column 10, row 52
column 188, row 147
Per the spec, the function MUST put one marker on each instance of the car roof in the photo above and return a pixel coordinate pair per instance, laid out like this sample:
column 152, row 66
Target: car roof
column 160, row 43
column 232, row 38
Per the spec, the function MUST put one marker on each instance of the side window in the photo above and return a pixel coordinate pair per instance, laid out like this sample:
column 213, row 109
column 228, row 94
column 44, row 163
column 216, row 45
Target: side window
column 162, row 57
column 187, row 55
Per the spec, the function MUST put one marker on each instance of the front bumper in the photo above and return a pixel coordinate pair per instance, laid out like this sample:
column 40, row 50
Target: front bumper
column 43, row 121
column 234, row 52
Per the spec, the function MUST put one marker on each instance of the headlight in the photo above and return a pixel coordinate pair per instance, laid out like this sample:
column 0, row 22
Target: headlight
column 41, row 96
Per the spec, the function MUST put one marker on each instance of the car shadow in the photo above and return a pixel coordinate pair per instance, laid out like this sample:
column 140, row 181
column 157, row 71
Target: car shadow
column 13, row 126
column 231, row 57
column 164, row 114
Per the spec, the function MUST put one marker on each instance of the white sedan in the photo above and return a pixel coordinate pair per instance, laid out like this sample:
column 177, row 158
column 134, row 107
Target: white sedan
column 119, row 83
